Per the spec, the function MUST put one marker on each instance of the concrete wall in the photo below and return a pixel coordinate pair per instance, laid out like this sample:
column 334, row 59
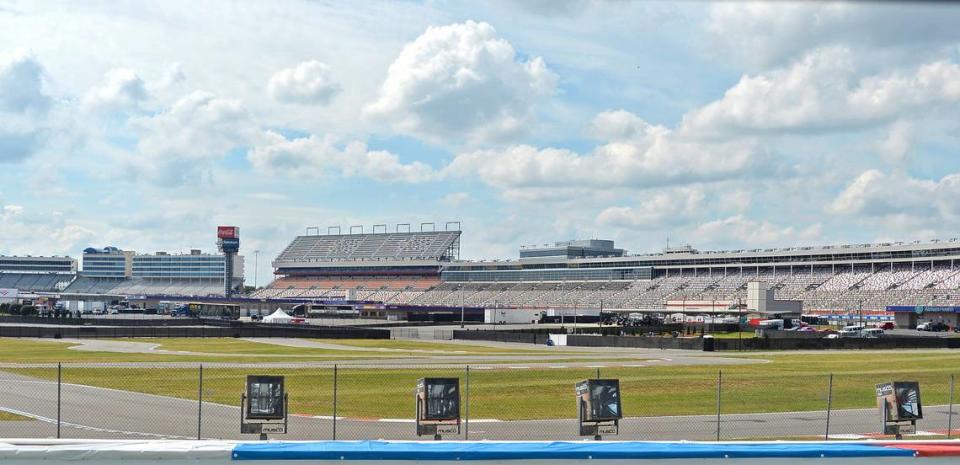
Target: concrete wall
column 81, row 332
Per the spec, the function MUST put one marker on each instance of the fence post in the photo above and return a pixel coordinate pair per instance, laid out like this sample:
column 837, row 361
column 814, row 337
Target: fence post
column 950, row 411
column 466, row 435
column 826, row 434
column 59, row 386
column 719, row 389
column 334, row 402
column 199, row 401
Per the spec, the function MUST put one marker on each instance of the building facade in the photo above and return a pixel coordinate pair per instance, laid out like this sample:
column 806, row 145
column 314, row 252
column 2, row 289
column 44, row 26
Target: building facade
column 111, row 262
column 30, row 264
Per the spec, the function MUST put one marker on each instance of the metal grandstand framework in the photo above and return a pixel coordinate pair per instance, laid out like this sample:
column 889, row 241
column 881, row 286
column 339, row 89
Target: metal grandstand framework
column 402, row 245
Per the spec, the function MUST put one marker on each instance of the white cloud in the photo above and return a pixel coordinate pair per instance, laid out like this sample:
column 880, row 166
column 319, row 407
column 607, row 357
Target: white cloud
column 24, row 107
column 455, row 199
column 172, row 76
column 618, row 125
column 309, row 82
column 639, row 156
column 21, row 85
column 897, row 145
column 462, row 83
column 761, row 34
column 24, row 233
column 880, row 195
column 320, row 156
column 122, row 90
column 659, row 210
column 180, row 144
column 822, row 93
column 741, row 230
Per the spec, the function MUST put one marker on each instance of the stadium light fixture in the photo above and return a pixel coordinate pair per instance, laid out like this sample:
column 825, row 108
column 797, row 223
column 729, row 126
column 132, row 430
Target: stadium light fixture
column 438, row 406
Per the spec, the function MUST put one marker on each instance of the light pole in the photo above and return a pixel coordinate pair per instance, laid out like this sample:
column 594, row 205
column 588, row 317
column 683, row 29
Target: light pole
column 860, row 311
column 461, row 306
column 256, row 268
column 601, row 317
column 739, row 327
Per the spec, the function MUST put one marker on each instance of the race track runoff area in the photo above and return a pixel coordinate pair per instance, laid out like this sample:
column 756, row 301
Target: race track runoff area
column 485, row 452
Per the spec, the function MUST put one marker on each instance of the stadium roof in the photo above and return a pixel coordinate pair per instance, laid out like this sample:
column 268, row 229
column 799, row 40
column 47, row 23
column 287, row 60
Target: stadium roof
column 399, row 246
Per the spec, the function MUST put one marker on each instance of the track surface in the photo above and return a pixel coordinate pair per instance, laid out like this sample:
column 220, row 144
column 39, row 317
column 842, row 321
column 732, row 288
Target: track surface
column 92, row 412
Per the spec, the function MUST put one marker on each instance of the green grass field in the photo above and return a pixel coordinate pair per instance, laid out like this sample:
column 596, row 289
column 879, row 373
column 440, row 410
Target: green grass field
column 384, row 346
column 789, row 382
column 53, row 351
column 7, row 416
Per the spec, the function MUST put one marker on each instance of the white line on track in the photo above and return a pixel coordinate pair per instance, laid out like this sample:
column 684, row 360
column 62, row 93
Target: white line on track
column 518, row 368
column 89, row 428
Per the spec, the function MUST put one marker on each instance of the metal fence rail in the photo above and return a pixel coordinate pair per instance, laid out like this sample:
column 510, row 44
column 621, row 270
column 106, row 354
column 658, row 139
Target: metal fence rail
column 144, row 400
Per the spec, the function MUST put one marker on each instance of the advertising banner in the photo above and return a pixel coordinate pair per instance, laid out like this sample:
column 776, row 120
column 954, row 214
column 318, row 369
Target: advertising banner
column 228, row 232
column 8, row 295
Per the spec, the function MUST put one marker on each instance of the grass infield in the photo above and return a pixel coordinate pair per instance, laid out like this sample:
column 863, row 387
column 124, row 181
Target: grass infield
column 790, row 382
column 54, row 351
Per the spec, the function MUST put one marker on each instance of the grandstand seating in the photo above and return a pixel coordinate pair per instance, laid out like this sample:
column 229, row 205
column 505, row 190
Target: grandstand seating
column 139, row 286
column 386, row 246
column 35, row 282
column 400, row 289
column 844, row 289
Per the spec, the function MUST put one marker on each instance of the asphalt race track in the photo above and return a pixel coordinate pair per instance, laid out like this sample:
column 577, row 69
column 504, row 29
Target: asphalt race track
column 93, row 412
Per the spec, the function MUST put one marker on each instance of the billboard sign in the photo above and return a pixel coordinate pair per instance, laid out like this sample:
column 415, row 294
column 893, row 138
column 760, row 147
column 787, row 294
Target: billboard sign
column 900, row 400
column 230, row 245
column 8, row 295
column 228, row 232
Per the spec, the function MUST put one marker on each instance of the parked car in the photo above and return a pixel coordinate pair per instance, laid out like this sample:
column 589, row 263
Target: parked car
column 845, row 333
column 872, row 332
column 933, row 326
column 887, row 325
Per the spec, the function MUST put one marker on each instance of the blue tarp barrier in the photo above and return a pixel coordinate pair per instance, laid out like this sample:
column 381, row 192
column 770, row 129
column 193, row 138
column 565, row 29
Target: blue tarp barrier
column 490, row 450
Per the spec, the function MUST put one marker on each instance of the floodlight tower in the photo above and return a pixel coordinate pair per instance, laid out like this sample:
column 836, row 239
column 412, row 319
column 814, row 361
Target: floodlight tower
column 228, row 241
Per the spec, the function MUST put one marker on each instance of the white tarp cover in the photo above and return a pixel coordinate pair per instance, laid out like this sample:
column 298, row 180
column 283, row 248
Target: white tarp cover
column 278, row 316
column 54, row 451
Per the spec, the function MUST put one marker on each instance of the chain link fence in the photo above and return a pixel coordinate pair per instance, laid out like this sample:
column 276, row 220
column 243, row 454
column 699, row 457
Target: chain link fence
column 191, row 401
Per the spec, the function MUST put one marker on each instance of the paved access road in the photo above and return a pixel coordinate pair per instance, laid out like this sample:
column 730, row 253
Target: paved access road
column 92, row 412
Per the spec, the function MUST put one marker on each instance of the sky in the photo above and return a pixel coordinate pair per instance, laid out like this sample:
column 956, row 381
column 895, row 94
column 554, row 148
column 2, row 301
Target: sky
column 144, row 125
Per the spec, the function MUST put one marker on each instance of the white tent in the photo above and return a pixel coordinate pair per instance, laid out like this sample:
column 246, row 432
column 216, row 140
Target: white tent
column 278, row 316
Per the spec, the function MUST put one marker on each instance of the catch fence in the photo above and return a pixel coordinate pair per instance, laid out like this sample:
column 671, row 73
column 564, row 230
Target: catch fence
column 498, row 402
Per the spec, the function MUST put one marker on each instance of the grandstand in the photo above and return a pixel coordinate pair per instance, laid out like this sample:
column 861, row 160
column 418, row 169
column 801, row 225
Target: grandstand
column 829, row 278
column 36, row 274
column 145, row 287
column 113, row 271
column 383, row 266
